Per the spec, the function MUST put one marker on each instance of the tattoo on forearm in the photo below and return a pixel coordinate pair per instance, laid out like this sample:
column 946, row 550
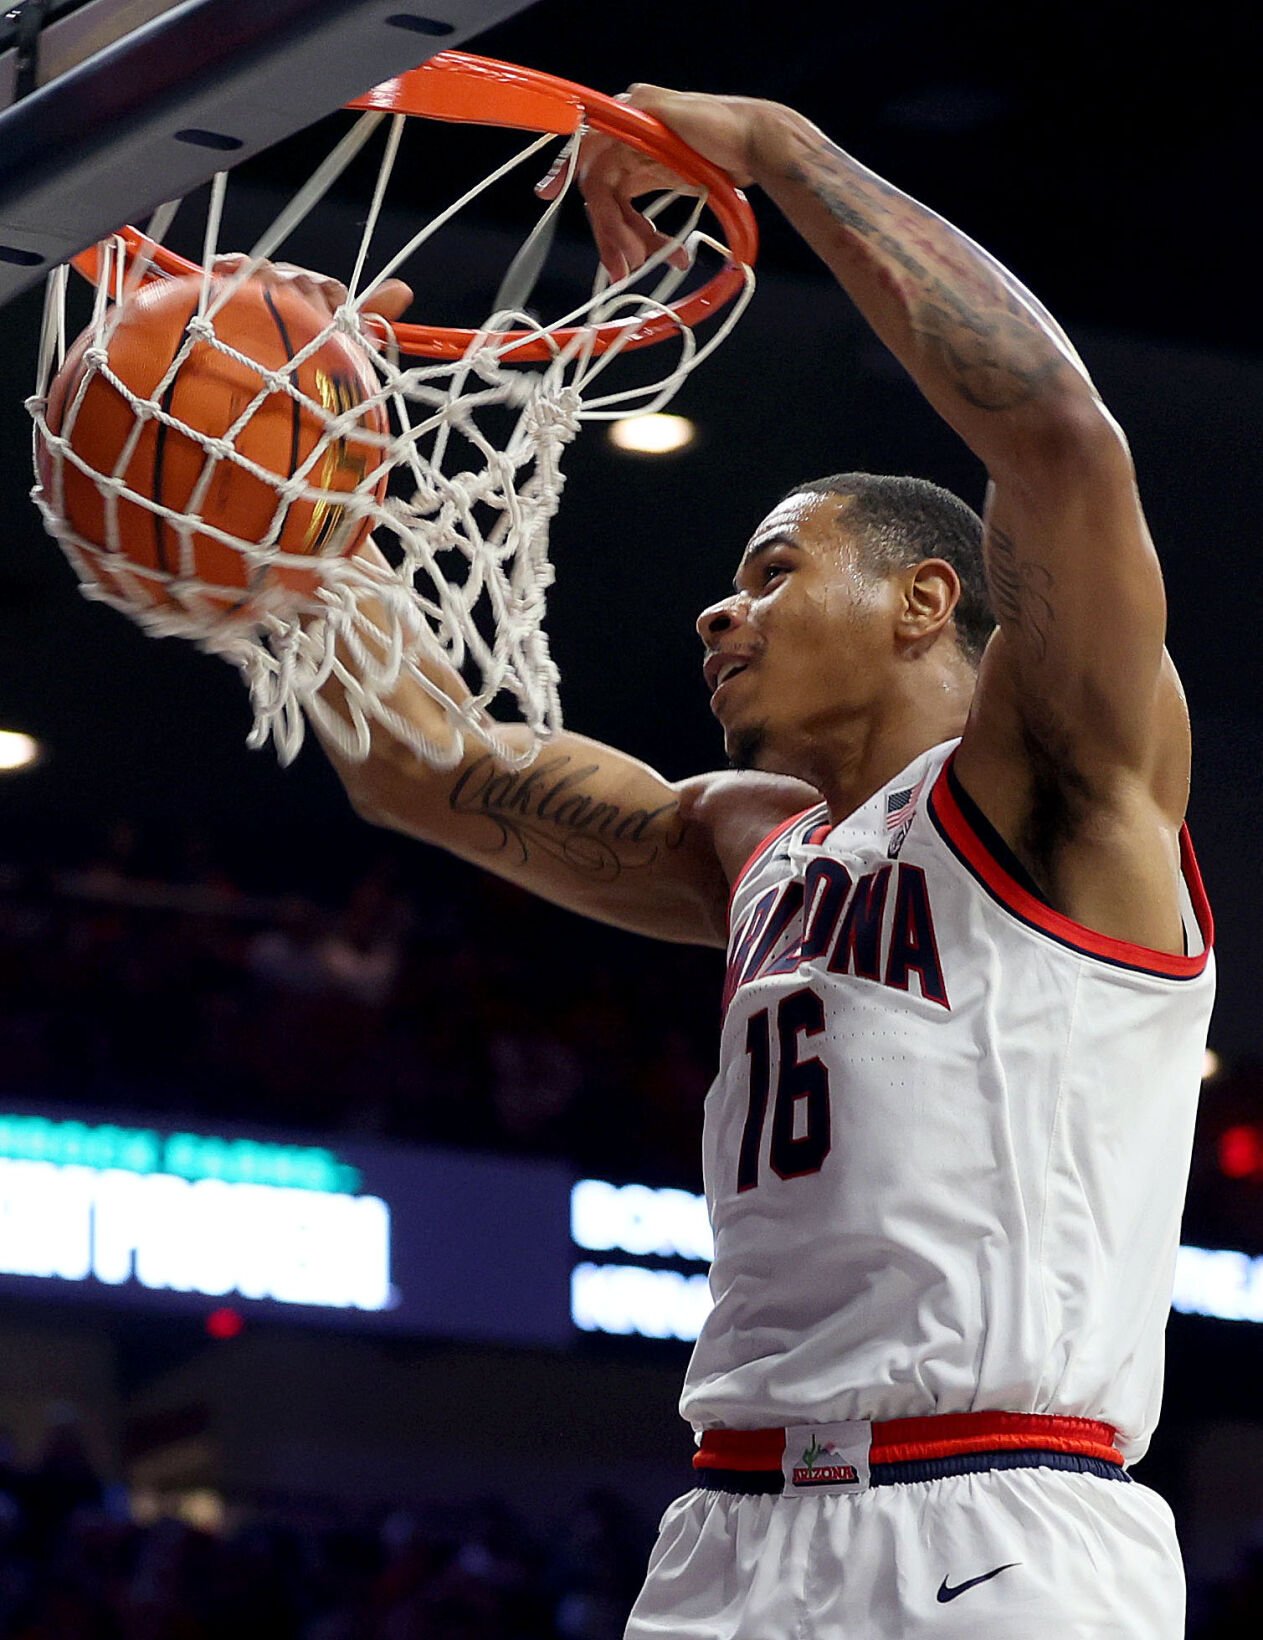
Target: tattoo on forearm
column 990, row 344
column 1019, row 591
column 545, row 809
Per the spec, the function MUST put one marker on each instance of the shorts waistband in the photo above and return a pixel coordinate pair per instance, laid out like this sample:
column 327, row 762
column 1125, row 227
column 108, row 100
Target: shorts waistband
column 902, row 1450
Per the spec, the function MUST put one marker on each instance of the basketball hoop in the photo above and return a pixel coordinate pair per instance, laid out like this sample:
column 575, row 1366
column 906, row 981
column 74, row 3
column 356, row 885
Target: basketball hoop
column 467, row 592
column 467, row 89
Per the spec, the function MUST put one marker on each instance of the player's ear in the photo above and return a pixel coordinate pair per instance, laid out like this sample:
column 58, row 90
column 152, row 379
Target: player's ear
column 931, row 591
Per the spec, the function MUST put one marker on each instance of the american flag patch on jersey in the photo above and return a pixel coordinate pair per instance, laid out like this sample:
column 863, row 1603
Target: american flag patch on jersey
column 901, row 808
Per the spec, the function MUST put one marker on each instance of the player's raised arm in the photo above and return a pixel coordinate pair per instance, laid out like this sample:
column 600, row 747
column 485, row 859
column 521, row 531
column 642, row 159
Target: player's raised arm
column 1078, row 727
column 1079, row 664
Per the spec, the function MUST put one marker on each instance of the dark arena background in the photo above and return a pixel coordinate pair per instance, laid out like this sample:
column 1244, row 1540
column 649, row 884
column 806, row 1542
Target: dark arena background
column 437, row 1398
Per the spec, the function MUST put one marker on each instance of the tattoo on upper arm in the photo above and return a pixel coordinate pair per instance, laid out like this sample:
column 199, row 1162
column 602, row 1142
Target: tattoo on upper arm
column 545, row 809
column 992, row 347
column 1019, row 591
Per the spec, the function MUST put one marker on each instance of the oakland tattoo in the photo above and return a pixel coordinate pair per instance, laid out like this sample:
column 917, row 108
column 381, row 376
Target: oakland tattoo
column 985, row 335
column 545, row 809
column 1019, row 591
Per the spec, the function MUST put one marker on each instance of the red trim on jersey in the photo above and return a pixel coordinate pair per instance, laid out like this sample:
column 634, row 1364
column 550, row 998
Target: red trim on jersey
column 902, row 1440
column 906, row 1440
column 762, row 847
column 993, row 876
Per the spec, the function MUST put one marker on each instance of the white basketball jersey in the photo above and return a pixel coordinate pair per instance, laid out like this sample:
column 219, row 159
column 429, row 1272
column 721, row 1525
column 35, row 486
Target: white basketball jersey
column 947, row 1148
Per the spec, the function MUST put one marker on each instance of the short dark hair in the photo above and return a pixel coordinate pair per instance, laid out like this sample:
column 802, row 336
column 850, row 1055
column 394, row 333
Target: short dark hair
column 903, row 520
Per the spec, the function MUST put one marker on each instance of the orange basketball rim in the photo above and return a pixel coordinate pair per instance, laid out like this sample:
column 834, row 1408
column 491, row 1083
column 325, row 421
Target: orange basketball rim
column 459, row 86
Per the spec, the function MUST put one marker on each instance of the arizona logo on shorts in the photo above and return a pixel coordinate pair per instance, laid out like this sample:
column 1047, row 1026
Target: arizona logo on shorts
column 814, row 1468
column 827, row 1458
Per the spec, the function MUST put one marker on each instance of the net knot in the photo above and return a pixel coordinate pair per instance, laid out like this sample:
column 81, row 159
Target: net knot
column 221, row 448
column 345, row 426
column 96, row 357
column 556, row 415
column 201, row 328
column 456, row 491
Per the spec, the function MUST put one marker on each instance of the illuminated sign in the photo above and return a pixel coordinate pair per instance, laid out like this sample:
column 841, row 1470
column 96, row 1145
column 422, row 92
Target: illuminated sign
column 77, row 1223
column 381, row 1238
column 652, row 1301
column 632, row 1218
column 108, row 1145
column 627, row 1298
column 1218, row 1282
column 372, row 1237
column 649, row 1301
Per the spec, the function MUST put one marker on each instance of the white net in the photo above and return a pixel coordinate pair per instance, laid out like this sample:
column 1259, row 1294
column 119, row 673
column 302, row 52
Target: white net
column 459, row 479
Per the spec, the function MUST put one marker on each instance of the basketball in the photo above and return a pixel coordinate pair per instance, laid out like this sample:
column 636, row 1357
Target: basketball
column 151, row 561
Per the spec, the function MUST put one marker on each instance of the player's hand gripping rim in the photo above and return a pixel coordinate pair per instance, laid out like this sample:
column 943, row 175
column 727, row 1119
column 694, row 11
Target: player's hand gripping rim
column 612, row 176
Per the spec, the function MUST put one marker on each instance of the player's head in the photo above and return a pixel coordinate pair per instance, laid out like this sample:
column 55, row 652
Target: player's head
column 855, row 595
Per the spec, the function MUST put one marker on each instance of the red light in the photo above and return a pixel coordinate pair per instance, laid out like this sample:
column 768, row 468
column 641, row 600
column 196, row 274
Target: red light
column 224, row 1323
column 1241, row 1152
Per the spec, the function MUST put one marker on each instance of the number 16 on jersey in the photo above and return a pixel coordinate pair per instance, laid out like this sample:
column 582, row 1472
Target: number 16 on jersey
column 801, row 1117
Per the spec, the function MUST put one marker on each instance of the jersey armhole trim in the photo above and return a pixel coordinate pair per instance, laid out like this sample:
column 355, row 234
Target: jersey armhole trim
column 970, row 849
column 760, row 849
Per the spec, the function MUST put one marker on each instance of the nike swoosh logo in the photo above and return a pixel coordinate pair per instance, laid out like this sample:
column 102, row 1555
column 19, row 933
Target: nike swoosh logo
column 945, row 1594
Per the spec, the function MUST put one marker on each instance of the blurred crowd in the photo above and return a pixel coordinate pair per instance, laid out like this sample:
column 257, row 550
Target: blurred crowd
column 74, row 1565
column 415, row 999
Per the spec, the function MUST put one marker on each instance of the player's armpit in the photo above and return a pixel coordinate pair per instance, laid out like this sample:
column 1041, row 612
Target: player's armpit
column 1079, row 665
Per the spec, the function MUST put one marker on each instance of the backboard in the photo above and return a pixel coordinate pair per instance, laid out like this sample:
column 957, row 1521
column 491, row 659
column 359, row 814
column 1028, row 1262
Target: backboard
column 108, row 108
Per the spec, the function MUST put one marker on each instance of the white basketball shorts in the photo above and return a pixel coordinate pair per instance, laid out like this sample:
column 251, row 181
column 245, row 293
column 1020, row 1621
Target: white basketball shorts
column 1005, row 1554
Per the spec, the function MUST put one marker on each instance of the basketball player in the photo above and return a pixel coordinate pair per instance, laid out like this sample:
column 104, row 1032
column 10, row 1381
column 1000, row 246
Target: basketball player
column 969, row 974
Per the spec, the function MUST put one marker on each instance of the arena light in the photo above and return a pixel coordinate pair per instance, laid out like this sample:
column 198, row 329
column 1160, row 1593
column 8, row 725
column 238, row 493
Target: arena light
column 18, row 751
column 1211, row 1065
column 1240, row 1151
column 652, row 435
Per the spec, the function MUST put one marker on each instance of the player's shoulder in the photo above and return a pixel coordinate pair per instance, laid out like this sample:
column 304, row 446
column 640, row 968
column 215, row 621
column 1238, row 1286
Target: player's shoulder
column 739, row 808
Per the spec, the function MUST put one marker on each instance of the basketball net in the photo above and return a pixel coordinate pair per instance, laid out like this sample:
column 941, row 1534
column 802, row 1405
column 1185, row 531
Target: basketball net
column 461, row 578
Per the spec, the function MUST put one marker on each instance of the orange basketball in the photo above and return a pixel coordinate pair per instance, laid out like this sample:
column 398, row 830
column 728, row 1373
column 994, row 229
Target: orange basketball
column 269, row 323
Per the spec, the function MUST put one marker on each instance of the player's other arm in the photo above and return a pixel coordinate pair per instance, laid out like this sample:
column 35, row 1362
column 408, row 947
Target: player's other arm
column 584, row 826
column 587, row 827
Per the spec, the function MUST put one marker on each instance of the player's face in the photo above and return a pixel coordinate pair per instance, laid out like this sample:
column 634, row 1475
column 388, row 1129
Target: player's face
column 802, row 642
